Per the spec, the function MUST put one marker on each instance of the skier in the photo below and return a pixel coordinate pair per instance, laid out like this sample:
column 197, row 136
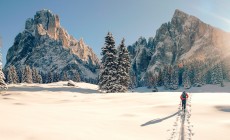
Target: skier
column 183, row 98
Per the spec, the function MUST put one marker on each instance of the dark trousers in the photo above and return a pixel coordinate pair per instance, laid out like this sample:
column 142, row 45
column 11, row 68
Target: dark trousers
column 184, row 104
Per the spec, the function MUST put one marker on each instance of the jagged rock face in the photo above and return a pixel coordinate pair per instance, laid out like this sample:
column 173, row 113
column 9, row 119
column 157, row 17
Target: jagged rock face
column 140, row 55
column 182, row 39
column 46, row 46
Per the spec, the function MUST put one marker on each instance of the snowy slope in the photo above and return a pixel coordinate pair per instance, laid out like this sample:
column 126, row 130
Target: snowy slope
column 56, row 112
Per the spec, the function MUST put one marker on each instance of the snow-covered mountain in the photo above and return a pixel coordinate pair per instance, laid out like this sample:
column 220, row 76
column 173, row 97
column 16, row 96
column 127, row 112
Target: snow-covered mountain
column 48, row 47
column 184, row 38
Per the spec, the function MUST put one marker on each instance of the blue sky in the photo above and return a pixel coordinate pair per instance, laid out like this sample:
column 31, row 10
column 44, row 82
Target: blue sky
column 92, row 19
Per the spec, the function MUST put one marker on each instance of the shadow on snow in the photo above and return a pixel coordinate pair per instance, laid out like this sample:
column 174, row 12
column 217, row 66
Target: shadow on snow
column 159, row 120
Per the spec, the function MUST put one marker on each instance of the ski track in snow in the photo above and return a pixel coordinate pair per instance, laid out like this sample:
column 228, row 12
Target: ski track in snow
column 182, row 127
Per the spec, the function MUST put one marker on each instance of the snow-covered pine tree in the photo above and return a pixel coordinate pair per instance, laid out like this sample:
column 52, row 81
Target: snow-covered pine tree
column 56, row 77
column 44, row 76
column 174, row 83
column 77, row 78
column 108, row 73
column 34, row 75
column 65, row 77
column 186, row 79
column 50, row 77
column 123, row 68
column 160, row 78
column 167, row 72
column 2, row 76
column 27, row 75
column 3, row 85
column 214, row 75
column 149, row 77
column 197, row 74
column 9, row 77
column 14, row 74
column 133, row 80
column 37, row 78
column 220, row 74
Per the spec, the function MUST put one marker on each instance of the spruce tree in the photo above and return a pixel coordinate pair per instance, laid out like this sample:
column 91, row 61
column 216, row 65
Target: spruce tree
column 167, row 75
column 64, row 77
column 133, row 80
column 174, row 84
column 50, row 77
column 37, row 78
column 14, row 74
column 149, row 78
column 27, row 75
column 219, row 74
column 108, row 73
column 123, row 68
column 186, row 79
column 214, row 75
column 3, row 85
column 9, row 76
column 77, row 78
column 197, row 74
column 34, row 75
column 160, row 78
column 56, row 77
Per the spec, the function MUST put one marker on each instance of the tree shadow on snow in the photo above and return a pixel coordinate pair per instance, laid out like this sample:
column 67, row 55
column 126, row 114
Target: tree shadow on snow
column 223, row 108
column 55, row 89
column 154, row 121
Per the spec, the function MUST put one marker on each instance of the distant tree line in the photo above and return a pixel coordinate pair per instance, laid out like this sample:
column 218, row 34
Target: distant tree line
column 32, row 75
column 194, row 73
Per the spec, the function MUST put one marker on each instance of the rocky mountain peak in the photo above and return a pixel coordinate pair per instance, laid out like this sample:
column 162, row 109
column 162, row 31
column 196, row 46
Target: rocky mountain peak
column 179, row 13
column 184, row 38
column 47, row 46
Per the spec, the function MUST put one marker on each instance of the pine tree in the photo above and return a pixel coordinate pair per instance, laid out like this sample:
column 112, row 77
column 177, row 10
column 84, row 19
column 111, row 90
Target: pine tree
column 9, row 76
column 64, row 77
column 56, row 77
column 149, row 79
column 34, row 75
column 37, row 78
column 50, row 77
column 219, row 73
column 27, row 75
column 2, row 76
column 160, row 78
column 174, row 84
column 77, row 78
column 167, row 75
column 133, row 80
column 186, row 79
column 197, row 74
column 14, row 74
column 123, row 68
column 108, row 73
column 214, row 75
column 44, row 77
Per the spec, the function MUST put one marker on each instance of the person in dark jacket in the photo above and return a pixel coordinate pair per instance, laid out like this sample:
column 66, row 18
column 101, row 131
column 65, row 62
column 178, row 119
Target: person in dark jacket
column 183, row 98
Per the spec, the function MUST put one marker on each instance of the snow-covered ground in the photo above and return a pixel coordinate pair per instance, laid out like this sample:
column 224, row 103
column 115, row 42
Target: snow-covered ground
column 57, row 112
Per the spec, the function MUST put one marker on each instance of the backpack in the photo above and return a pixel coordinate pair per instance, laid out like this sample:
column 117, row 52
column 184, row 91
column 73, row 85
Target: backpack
column 184, row 95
